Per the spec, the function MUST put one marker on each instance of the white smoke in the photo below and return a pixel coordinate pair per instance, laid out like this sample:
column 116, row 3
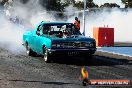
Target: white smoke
column 32, row 13
column 29, row 14
column 35, row 19
column 118, row 19
column 10, row 36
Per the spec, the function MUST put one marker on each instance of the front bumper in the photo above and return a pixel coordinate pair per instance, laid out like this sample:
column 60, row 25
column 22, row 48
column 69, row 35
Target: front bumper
column 71, row 52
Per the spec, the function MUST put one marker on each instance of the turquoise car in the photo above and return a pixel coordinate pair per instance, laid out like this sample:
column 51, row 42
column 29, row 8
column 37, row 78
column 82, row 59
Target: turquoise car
column 57, row 39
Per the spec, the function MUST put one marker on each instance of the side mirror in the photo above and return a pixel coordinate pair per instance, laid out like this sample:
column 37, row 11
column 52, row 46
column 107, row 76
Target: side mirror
column 38, row 33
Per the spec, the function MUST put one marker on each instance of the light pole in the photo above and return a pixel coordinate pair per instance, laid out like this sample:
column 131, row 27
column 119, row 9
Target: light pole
column 84, row 17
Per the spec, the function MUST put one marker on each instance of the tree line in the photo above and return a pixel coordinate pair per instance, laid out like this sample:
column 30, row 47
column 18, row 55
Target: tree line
column 60, row 5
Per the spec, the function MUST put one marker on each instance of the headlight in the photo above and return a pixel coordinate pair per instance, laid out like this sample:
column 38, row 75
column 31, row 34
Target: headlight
column 83, row 44
column 89, row 44
column 57, row 45
column 54, row 45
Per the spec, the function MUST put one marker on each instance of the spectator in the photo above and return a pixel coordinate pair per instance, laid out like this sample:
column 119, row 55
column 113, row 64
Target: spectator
column 77, row 25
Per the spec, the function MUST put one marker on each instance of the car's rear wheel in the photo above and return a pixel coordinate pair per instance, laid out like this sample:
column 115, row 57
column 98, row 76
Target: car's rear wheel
column 29, row 51
column 46, row 57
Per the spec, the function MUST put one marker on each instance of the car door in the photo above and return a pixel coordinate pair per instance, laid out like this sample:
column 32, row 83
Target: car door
column 37, row 40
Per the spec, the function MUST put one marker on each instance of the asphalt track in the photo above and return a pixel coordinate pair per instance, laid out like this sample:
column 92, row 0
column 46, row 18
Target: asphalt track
column 22, row 71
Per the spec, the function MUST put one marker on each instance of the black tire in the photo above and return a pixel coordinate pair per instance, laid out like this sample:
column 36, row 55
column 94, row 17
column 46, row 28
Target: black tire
column 46, row 57
column 84, row 83
column 29, row 51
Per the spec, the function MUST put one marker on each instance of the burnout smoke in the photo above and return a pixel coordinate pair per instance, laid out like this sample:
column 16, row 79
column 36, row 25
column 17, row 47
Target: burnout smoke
column 116, row 18
column 32, row 13
column 10, row 35
column 29, row 15
column 119, row 19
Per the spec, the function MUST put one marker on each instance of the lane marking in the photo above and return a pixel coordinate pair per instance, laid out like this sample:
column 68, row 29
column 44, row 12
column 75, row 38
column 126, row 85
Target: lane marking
column 115, row 53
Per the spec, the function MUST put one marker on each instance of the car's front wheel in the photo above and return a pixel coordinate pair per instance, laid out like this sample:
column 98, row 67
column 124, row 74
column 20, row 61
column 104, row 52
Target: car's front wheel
column 46, row 57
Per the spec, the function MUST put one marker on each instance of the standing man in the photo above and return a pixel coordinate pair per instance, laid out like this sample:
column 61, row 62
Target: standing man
column 77, row 25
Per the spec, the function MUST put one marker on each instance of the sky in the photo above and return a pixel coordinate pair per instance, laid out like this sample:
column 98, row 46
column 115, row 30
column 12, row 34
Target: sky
column 100, row 2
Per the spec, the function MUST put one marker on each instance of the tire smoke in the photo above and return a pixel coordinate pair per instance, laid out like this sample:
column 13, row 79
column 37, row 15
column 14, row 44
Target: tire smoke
column 28, row 15
column 32, row 13
column 119, row 19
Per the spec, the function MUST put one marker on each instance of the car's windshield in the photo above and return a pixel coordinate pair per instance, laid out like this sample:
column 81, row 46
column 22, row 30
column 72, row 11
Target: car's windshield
column 60, row 29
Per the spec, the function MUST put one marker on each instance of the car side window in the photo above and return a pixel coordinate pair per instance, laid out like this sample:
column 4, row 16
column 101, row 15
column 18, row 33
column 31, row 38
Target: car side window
column 39, row 30
column 46, row 29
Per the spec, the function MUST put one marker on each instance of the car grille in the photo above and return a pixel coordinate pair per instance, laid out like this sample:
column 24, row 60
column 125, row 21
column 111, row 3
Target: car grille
column 72, row 45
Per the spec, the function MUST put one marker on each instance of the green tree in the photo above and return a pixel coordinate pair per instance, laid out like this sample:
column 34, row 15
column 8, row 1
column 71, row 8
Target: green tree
column 79, row 5
column 65, row 3
column 2, row 2
column 69, row 2
column 128, row 3
column 110, row 5
column 51, row 5
column 91, row 4
column 24, row 1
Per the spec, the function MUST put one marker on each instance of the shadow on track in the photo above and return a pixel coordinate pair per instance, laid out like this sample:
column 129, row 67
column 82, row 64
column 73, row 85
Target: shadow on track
column 42, row 82
column 91, row 61
column 94, row 60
